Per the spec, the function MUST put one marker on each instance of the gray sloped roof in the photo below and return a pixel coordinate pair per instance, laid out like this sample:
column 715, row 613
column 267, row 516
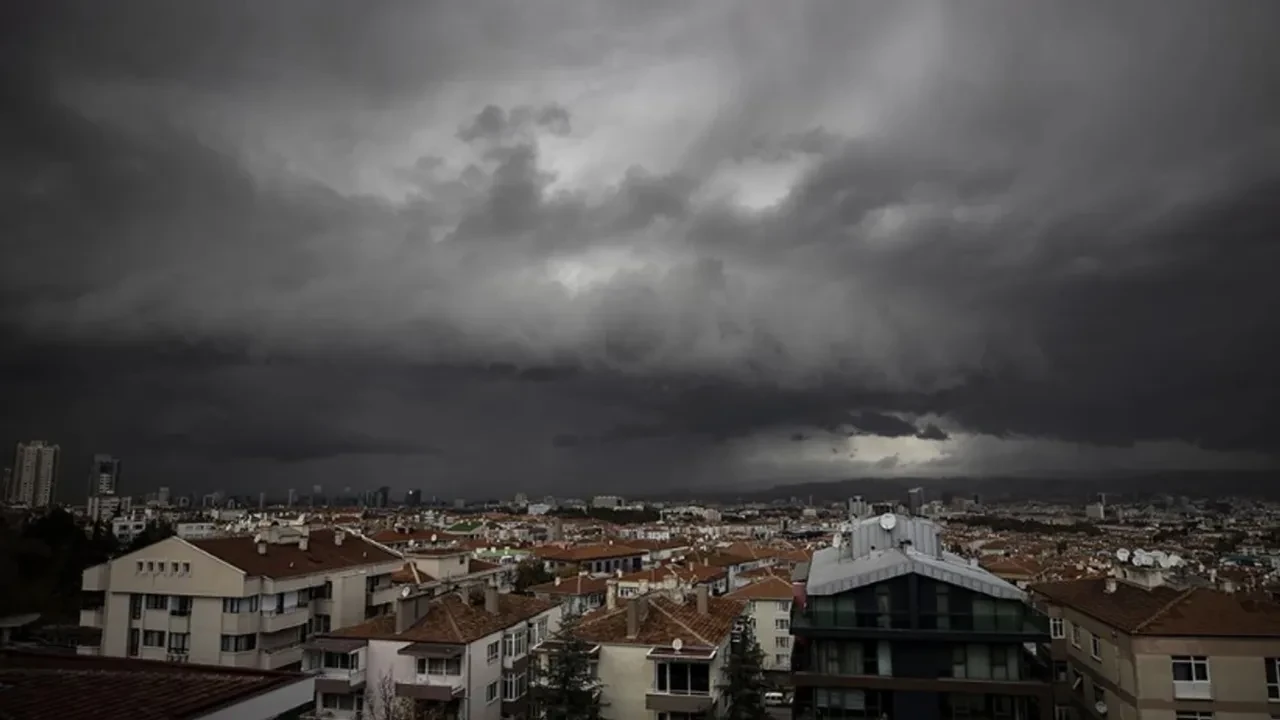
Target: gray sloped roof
column 830, row 573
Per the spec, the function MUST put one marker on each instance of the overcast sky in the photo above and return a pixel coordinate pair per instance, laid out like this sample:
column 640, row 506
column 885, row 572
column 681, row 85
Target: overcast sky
column 574, row 246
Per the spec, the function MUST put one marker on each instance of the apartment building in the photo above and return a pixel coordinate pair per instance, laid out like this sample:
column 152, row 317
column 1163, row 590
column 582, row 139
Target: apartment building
column 887, row 624
column 1135, row 647
column 659, row 656
column 247, row 601
column 593, row 559
column 670, row 578
column 579, row 594
column 769, row 606
column 457, row 654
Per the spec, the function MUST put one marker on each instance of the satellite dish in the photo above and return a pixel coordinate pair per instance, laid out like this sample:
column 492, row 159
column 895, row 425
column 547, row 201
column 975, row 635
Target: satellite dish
column 1175, row 561
column 1165, row 561
column 677, row 644
column 433, row 537
column 888, row 521
column 404, row 591
column 1122, row 555
column 1100, row 707
column 1140, row 557
column 835, row 540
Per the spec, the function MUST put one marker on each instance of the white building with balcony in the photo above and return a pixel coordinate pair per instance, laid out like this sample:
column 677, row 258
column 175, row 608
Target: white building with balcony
column 462, row 654
column 769, row 606
column 248, row 601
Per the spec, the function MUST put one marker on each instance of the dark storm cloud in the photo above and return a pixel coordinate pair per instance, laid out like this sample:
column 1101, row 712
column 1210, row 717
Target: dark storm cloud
column 1026, row 219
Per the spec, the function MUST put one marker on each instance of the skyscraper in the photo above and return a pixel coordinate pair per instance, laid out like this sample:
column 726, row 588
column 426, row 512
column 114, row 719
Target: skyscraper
column 915, row 500
column 104, row 481
column 413, row 498
column 35, row 474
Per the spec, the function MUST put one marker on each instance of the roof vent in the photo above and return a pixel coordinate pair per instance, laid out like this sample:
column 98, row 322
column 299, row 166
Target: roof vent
column 1109, row 586
column 262, row 547
column 338, row 537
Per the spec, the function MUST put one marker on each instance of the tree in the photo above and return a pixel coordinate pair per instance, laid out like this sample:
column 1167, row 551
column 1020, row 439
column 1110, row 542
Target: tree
column 566, row 687
column 382, row 703
column 744, row 685
column 530, row 572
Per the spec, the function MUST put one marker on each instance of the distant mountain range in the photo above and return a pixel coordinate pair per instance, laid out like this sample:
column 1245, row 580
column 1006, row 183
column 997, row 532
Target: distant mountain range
column 1263, row 484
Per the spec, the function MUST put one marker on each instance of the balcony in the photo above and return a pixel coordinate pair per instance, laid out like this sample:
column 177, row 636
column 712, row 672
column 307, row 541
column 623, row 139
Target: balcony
column 244, row 623
column 1192, row 690
column 435, row 688
column 1028, row 625
column 91, row 617
column 382, row 596
column 276, row 620
column 277, row 657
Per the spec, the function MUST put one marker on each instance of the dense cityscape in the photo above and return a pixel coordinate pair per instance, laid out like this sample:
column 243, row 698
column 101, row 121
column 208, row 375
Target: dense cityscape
column 356, row 604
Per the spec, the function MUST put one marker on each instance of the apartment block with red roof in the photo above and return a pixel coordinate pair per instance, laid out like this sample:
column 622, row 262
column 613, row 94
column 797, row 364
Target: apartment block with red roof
column 769, row 601
column 248, row 601
column 1145, row 646
column 460, row 654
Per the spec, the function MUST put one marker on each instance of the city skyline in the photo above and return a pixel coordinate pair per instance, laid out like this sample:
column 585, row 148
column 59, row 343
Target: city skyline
column 479, row 249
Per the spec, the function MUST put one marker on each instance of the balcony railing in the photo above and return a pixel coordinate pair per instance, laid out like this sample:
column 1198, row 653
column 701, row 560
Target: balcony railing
column 1031, row 624
column 1192, row 690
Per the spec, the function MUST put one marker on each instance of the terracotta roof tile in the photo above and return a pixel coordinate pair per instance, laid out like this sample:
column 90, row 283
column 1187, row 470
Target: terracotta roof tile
column 35, row 686
column 583, row 553
column 289, row 560
column 576, row 585
column 664, row 621
column 772, row 587
column 1165, row 610
column 451, row 620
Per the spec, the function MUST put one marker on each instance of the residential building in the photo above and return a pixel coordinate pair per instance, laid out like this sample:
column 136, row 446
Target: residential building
column 660, row 656
column 35, row 474
column 43, row 685
column 671, row 578
column 238, row 601
column 1135, row 647
column 769, row 606
column 887, row 624
column 462, row 654
column 104, row 502
column 579, row 594
column 594, row 559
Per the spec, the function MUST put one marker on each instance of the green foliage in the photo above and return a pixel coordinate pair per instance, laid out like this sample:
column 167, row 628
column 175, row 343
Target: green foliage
column 530, row 572
column 566, row 687
column 744, row 684
column 43, row 563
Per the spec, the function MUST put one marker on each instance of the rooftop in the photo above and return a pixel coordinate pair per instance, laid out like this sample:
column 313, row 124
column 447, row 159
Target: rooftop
column 772, row 587
column 576, row 585
column 1164, row 610
column 450, row 619
column 663, row 620
column 38, row 686
column 323, row 554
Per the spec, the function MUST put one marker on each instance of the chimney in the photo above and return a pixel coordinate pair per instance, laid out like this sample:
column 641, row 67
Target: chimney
column 637, row 609
column 262, row 547
column 491, row 599
column 703, row 599
column 611, row 594
column 302, row 543
column 1110, row 586
column 338, row 537
column 406, row 610
column 1228, row 586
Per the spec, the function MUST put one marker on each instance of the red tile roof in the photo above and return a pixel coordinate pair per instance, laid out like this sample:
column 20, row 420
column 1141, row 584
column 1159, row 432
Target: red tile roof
column 452, row 620
column 290, row 560
column 1165, row 610
column 576, row 585
column 39, row 686
column 772, row 587
column 584, row 553
column 664, row 621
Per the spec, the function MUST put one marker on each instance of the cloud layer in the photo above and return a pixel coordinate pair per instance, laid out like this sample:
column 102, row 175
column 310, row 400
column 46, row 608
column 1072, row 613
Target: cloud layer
column 687, row 224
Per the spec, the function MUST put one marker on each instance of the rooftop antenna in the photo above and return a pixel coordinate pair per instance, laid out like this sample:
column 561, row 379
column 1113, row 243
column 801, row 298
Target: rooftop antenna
column 1122, row 555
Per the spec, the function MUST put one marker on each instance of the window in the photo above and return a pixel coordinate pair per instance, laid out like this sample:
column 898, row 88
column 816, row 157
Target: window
column 514, row 686
column 1061, row 712
column 151, row 566
column 1188, row 668
column 439, row 666
column 1194, row 715
column 321, row 623
column 239, row 643
column 1075, row 635
column 140, row 566
column 782, row 624
column 180, row 606
column 493, row 652
column 515, row 644
column 340, row 660
column 986, row 662
column 186, row 568
column 1095, row 648
column 683, row 678
column 1059, row 671
column 784, row 606
column 153, row 638
column 491, row 692
column 1056, row 631
column 782, row 660
column 782, row 641
column 1273, row 678
column 342, row 701
column 173, row 568
column 157, row 602
column 135, row 606
column 133, row 642
column 179, row 643
column 232, row 605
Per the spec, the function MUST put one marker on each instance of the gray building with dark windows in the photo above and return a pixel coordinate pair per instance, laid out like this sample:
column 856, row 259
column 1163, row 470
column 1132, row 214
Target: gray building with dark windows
column 889, row 625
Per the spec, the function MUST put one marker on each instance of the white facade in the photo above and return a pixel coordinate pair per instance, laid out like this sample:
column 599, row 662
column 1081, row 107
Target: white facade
column 35, row 474
column 772, row 622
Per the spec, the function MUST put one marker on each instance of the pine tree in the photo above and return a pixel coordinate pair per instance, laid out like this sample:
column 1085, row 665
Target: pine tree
column 744, row 685
column 566, row 688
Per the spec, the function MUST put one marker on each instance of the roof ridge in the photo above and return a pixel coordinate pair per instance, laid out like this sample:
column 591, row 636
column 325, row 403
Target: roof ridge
column 453, row 623
column 682, row 624
column 1164, row 609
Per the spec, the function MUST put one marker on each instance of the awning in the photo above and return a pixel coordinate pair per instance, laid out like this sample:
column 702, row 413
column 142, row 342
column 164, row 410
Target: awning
column 435, row 650
column 338, row 645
